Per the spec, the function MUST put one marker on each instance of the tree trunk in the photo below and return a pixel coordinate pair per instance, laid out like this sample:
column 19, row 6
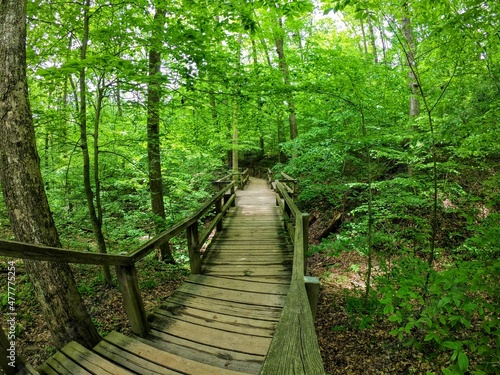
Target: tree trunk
column 373, row 40
column 410, row 62
column 153, row 134
column 279, row 41
column 89, row 194
column 236, row 110
column 97, row 181
column 23, row 191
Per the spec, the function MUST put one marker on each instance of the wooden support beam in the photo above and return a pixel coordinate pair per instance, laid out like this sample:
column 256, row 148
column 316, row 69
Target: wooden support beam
column 193, row 248
column 129, row 287
column 218, row 210
column 233, row 191
column 305, row 238
column 312, row 289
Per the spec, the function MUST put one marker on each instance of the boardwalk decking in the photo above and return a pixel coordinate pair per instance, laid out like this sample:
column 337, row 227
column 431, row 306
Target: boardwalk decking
column 219, row 322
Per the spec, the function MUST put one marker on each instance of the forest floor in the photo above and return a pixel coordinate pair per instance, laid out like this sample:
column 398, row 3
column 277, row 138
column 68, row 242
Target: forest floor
column 345, row 348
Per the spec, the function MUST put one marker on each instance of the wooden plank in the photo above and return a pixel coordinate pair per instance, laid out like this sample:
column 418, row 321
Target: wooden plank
column 130, row 360
column 223, row 307
column 228, row 359
column 209, row 317
column 164, row 359
column 282, row 280
column 221, row 322
column 247, row 285
column 228, row 295
column 245, row 262
column 246, row 270
column 64, row 366
column 214, row 337
column 91, row 361
column 45, row 369
column 242, row 255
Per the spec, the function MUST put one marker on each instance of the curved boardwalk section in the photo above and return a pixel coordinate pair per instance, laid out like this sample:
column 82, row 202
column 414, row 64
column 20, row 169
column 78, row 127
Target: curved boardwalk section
column 221, row 321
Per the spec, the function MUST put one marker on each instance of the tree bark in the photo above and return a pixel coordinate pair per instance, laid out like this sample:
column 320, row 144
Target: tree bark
column 23, row 190
column 153, row 134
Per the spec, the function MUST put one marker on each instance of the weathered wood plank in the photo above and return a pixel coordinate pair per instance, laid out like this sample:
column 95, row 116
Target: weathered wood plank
column 131, row 361
column 64, row 366
column 228, row 359
column 45, row 369
column 91, row 361
column 223, row 307
column 282, row 280
column 246, row 270
column 223, row 322
column 247, row 285
column 229, row 295
column 214, row 337
column 164, row 359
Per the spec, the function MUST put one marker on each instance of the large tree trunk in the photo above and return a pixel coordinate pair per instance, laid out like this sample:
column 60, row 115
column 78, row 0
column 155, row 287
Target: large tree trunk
column 23, row 190
column 153, row 134
column 95, row 219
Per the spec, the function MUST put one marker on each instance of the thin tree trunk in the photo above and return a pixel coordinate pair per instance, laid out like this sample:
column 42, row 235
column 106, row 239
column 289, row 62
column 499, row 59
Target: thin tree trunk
column 89, row 194
column 23, row 191
column 236, row 110
column 259, row 103
column 373, row 40
column 363, row 33
column 410, row 62
column 101, row 244
column 153, row 134
column 279, row 41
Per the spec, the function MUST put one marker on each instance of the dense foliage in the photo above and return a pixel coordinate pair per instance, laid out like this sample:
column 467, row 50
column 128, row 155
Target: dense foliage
column 419, row 192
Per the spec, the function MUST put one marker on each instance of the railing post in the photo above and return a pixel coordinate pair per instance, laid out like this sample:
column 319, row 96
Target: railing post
column 233, row 189
column 305, row 238
column 312, row 290
column 236, row 178
column 129, row 287
column 218, row 210
column 194, row 254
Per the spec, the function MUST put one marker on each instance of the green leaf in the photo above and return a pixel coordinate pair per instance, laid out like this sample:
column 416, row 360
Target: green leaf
column 455, row 345
column 463, row 361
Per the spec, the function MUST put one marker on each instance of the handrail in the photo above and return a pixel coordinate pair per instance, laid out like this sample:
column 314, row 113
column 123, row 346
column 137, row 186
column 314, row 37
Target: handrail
column 243, row 179
column 294, row 348
column 290, row 184
column 125, row 264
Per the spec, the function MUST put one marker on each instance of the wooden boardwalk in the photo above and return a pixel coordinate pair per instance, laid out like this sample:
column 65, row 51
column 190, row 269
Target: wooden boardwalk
column 219, row 322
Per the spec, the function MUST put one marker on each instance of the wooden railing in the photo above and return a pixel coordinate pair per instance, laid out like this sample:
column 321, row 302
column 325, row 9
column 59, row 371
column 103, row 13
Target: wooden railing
column 294, row 348
column 289, row 183
column 125, row 264
column 243, row 179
